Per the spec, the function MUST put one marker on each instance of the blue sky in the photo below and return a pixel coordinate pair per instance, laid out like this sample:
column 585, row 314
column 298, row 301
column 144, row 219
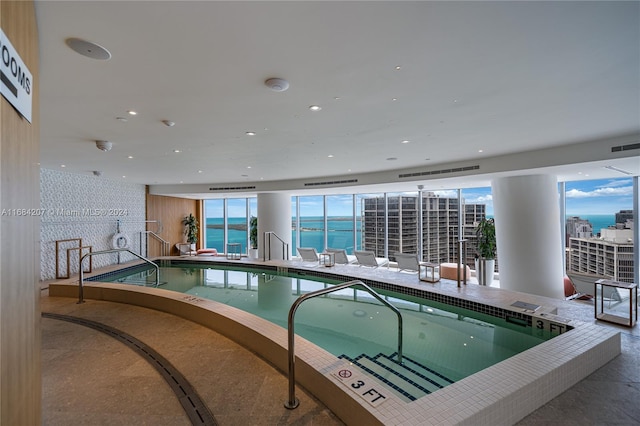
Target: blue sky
column 605, row 196
column 588, row 197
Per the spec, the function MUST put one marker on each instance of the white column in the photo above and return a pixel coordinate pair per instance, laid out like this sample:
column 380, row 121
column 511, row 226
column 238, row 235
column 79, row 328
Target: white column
column 274, row 215
column 527, row 216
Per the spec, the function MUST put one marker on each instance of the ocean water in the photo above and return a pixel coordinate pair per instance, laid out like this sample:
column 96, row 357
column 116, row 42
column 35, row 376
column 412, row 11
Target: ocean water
column 598, row 221
column 340, row 233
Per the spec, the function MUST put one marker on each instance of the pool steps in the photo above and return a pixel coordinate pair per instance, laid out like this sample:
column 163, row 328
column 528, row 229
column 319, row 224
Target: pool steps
column 409, row 380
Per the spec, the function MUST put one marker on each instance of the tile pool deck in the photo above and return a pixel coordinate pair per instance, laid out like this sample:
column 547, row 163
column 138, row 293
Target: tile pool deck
column 502, row 394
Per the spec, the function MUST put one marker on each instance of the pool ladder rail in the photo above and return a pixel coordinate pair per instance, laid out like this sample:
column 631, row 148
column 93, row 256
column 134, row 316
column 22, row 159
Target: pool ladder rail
column 81, row 280
column 293, row 402
column 266, row 246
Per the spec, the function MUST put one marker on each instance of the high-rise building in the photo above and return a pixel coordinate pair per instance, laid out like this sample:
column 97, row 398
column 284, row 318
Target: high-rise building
column 623, row 216
column 610, row 256
column 576, row 227
column 440, row 222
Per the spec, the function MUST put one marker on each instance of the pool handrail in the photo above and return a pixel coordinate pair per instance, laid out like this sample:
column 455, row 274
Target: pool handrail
column 293, row 401
column 285, row 246
column 93, row 253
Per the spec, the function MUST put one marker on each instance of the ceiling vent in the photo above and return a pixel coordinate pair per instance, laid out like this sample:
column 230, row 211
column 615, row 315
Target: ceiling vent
column 332, row 182
column 231, row 188
column 628, row 147
column 440, row 172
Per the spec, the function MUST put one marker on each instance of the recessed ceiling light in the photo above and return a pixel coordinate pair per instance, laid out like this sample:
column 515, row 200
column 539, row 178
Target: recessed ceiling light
column 62, row 165
column 248, row 167
column 130, row 157
column 336, row 98
column 330, row 155
column 124, row 176
column 480, row 150
column 132, row 113
column 394, row 99
column 122, row 119
column 398, row 67
column 168, row 123
column 427, row 159
column 392, row 159
column 199, row 171
column 250, row 133
column 244, row 175
column 405, row 141
column 177, row 151
column 315, row 108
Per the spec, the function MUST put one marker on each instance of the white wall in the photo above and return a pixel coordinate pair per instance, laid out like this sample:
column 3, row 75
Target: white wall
column 87, row 207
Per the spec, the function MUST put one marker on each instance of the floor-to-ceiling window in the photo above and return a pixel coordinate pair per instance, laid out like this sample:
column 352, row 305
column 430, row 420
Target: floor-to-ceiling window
column 340, row 229
column 312, row 222
column 227, row 221
column 598, row 228
column 372, row 209
column 214, row 227
column 237, row 222
column 477, row 204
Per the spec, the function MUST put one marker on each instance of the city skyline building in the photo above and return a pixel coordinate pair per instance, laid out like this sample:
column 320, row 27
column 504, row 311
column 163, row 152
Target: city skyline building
column 608, row 255
column 440, row 217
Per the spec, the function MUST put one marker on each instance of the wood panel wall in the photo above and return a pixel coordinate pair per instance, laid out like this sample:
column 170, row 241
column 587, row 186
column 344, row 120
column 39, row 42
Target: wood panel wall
column 20, row 372
column 170, row 211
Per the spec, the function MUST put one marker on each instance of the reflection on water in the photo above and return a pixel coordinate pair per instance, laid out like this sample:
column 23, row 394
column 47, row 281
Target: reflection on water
column 453, row 341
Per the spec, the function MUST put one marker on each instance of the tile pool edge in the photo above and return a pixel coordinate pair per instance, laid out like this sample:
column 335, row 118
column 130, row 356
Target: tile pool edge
column 503, row 393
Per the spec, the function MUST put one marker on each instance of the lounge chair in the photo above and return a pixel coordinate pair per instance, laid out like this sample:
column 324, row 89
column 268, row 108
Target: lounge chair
column 407, row 262
column 184, row 249
column 341, row 256
column 571, row 292
column 308, row 254
column 368, row 258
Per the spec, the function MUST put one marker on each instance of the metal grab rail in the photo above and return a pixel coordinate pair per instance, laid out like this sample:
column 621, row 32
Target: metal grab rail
column 293, row 401
column 285, row 246
column 165, row 244
column 80, row 292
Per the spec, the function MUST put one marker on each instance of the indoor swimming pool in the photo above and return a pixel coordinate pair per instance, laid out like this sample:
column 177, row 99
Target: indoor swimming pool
column 471, row 354
column 450, row 341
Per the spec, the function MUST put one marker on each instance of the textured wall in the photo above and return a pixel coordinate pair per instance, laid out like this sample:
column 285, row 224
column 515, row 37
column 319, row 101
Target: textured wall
column 87, row 207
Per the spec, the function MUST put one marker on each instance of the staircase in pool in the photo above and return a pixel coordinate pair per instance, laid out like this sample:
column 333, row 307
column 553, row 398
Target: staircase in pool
column 410, row 380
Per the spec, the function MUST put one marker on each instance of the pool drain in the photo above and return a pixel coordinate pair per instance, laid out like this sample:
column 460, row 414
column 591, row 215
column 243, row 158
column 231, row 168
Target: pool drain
column 191, row 402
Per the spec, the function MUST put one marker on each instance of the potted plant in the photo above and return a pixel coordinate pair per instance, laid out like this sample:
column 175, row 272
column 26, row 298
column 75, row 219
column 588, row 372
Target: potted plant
column 486, row 251
column 191, row 230
column 253, row 237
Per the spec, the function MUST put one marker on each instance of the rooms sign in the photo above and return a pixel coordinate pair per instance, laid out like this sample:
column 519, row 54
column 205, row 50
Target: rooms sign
column 16, row 82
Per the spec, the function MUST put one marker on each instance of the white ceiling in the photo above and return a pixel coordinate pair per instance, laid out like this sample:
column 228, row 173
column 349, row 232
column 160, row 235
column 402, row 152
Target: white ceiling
column 501, row 77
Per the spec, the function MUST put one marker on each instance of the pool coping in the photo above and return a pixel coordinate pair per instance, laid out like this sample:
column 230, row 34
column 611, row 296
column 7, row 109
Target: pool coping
column 503, row 393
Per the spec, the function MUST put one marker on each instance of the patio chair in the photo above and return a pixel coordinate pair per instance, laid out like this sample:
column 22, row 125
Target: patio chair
column 341, row 256
column 368, row 258
column 407, row 262
column 571, row 292
column 308, row 254
column 184, row 249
